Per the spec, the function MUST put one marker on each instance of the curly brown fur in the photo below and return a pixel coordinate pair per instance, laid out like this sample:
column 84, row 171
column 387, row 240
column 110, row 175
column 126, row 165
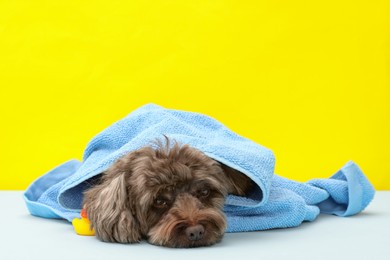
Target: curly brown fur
column 170, row 195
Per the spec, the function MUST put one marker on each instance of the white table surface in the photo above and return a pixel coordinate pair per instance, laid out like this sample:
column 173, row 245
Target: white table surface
column 365, row 236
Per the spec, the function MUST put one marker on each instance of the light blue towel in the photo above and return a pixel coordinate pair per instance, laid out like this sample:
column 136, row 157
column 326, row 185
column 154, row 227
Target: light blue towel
column 276, row 202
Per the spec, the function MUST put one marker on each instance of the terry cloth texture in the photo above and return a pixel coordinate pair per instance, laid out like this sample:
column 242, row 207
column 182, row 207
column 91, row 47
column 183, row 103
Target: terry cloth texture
column 275, row 203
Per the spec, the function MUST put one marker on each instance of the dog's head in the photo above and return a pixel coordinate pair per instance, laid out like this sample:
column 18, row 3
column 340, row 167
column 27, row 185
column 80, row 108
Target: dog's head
column 171, row 196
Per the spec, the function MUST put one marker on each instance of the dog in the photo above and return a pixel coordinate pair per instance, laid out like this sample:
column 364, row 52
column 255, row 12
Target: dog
column 170, row 195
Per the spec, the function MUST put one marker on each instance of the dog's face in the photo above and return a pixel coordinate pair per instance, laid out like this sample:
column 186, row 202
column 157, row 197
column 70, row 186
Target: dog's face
column 170, row 196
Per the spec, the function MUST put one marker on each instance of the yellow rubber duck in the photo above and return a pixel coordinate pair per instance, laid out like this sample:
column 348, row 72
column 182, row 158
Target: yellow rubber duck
column 83, row 226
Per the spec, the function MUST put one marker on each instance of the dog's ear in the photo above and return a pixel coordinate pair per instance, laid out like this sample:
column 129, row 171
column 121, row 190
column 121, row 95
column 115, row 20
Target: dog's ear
column 239, row 184
column 109, row 207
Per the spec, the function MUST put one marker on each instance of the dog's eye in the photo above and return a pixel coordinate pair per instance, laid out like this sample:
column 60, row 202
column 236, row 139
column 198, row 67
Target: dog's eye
column 204, row 192
column 160, row 202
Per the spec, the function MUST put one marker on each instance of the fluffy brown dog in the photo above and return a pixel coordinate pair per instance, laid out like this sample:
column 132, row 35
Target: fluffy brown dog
column 170, row 195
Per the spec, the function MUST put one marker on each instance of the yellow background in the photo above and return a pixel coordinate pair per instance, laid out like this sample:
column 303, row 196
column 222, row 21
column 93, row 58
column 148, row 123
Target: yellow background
column 307, row 79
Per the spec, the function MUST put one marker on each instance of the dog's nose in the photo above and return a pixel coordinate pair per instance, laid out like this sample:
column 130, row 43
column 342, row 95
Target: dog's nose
column 195, row 233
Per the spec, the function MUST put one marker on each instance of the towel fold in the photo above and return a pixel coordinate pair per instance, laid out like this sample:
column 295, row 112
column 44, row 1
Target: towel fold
column 276, row 202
